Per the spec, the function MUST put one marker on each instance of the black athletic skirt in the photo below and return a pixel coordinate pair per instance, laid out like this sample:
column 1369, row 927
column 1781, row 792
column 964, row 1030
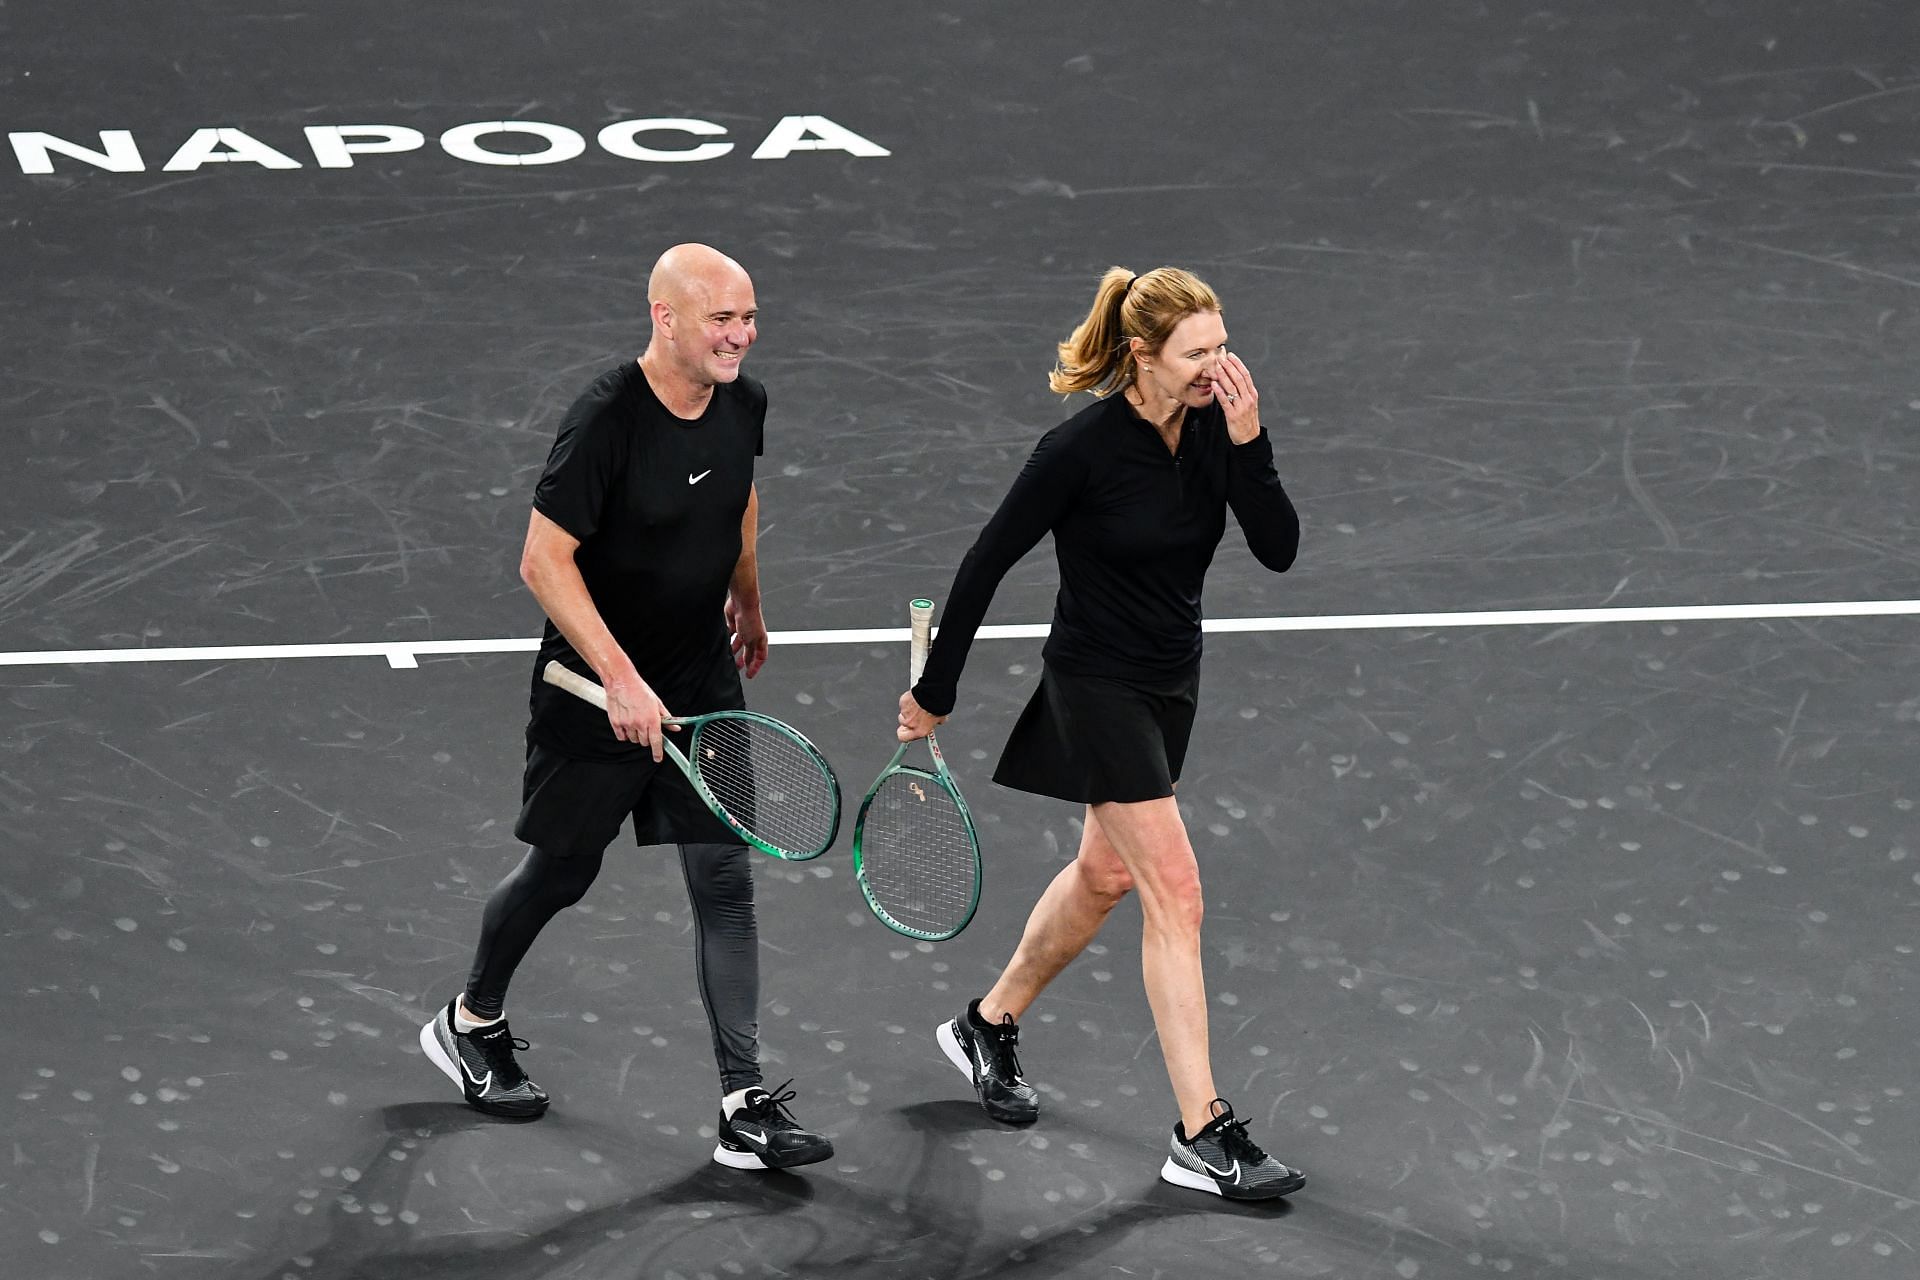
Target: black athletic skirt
column 1092, row 739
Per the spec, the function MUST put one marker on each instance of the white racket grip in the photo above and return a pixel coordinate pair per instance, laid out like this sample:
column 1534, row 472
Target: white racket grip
column 921, row 614
column 575, row 683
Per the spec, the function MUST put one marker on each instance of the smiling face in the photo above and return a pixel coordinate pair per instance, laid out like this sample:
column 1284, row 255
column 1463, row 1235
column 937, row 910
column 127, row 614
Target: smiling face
column 711, row 331
column 1182, row 369
column 704, row 313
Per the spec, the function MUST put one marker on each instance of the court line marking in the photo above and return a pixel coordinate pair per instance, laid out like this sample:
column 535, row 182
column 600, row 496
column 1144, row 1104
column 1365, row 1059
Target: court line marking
column 407, row 653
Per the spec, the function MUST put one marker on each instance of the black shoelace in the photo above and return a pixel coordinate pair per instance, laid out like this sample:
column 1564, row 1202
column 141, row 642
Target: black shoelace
column 1231, row 1134
column 1002, row 1041
column 498, row 1051
column 770, row 1109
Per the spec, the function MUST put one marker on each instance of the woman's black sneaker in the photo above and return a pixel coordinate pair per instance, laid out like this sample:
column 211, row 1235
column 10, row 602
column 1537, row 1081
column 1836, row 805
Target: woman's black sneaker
column 985, row 1054
column 1221, row 1158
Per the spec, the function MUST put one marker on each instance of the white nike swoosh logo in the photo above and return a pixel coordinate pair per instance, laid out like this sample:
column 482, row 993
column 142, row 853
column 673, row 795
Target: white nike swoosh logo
column 702, row 476
column 745, row 1132
column 1232, row 1174
column 483, row 1082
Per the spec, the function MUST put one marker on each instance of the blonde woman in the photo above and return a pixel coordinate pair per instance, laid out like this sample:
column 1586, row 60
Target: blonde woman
column 1135, row 489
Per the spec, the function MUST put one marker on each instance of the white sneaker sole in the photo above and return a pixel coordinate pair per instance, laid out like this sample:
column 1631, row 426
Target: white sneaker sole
column 737, row 1159
column 950, row 1045
column 437, row 1055
column 1181, row 1176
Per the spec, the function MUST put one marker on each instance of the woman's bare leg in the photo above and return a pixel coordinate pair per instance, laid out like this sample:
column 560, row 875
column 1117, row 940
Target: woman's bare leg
column 1063, row 922
column 1151, row 842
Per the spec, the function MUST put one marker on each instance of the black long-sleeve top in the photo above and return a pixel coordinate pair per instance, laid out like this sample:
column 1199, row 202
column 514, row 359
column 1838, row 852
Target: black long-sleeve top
column 1134, row 528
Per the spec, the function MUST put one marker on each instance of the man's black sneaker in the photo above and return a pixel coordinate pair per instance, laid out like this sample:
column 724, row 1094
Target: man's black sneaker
column 481, row 1062
column 1221, row 1158
column 985, row 1054
column 762, row 1134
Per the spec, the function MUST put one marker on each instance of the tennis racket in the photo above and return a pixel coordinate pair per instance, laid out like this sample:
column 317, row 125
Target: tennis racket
column 915, row 852
column 761, row 777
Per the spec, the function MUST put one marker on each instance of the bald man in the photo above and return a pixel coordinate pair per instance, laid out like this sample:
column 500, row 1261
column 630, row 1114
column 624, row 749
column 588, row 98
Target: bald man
column 640, row 549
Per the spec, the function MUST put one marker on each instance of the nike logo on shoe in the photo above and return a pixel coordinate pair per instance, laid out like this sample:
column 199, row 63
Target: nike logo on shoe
column 754, row 1135
column 482, row 1083
column 1231, row 1173
column 984, row 1064
column 702, row 476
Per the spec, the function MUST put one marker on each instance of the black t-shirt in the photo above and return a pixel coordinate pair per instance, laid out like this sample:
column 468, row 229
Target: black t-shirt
column 656, row 502
column 1134, row 528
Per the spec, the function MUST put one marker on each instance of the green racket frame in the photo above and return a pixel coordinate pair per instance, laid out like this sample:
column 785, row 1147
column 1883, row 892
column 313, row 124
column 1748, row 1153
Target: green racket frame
column 578, row 685
column 921, row 614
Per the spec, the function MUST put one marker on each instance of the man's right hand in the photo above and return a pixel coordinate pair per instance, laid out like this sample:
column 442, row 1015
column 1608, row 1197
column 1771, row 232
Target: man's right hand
column 635, row 712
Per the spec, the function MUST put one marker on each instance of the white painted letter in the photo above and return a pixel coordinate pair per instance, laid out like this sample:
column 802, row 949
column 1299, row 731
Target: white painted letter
column 462, row 143
column 35, row 152
column 332, row 150
column 241, row 148
column 791, row 135
column 622, row 139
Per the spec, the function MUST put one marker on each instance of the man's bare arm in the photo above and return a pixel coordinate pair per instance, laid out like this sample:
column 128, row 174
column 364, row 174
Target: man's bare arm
column 547, row 567
column 744, row 619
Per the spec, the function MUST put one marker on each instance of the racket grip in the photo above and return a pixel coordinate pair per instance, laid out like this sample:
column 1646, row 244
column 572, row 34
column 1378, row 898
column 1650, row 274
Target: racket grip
column 575, row 683
column 920, row 613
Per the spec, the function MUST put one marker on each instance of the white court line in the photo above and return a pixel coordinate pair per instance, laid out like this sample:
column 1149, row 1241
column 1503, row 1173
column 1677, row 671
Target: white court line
column 407, row 653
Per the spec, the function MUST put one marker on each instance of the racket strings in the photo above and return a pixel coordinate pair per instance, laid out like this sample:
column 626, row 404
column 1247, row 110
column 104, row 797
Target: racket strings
column 768, row 783
column 917, row 855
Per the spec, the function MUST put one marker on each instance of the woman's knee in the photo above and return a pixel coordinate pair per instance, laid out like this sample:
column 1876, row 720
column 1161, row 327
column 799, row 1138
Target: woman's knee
column 1177, row 902
column 1149, row 844
column 1105, row 879
column 1103, row 873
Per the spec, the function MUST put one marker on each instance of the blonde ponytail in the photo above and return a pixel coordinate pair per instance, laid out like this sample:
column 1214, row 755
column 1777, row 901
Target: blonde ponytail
column 1098, row 356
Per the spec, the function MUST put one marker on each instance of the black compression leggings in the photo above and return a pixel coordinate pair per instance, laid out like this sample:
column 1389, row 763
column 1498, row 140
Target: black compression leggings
column 726, row 941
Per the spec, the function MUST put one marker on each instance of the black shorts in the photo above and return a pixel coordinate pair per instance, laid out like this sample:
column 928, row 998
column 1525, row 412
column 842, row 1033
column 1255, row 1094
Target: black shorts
column 569, row 805
column 1093, row 739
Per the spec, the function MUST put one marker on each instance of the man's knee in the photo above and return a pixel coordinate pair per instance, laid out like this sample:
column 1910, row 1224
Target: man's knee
column 559, row 880
column 720, row 874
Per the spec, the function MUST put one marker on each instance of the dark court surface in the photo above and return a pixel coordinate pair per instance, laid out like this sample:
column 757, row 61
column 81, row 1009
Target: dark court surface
column 1578, row 951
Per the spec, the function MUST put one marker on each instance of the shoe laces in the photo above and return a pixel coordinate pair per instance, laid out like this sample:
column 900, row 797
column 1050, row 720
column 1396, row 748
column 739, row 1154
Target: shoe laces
column 498, row 1050
column 770, row 1108
column 1231, row 1133
column 1003, row 1039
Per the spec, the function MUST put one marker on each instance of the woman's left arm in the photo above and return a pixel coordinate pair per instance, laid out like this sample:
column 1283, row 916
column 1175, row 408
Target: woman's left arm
column 1254, row 491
